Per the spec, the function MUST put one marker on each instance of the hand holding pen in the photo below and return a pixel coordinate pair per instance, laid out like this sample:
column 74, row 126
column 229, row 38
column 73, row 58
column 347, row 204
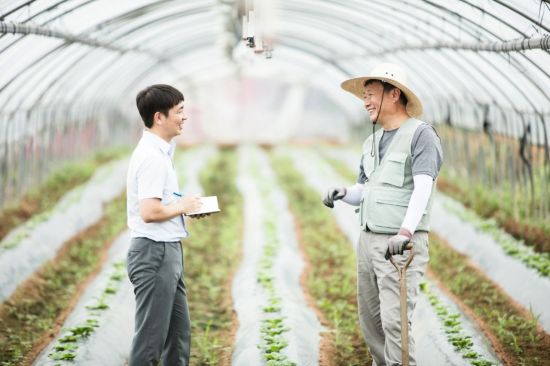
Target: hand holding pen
column 189, row 203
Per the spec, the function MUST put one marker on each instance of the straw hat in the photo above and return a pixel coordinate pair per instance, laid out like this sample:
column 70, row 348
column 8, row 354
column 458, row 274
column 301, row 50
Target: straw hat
column 389, row 73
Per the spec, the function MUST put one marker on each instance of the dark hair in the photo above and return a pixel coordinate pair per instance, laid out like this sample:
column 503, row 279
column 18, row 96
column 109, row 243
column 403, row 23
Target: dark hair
column 389, row 87
column 157, row 98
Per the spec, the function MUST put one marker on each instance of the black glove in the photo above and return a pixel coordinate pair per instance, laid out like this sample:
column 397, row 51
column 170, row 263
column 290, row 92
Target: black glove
column 396, row 245
column 334, row 194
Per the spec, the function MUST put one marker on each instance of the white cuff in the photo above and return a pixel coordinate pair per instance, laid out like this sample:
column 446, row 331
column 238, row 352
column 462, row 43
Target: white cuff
column 353, row 194
column 419, row 200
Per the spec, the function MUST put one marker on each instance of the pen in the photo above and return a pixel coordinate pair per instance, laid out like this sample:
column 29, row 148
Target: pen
column 177, row 194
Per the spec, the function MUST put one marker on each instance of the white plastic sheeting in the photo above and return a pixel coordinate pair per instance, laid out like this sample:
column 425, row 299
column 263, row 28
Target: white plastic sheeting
column 110, row 343
column 508, row 272
column 248, row 296
column 429, row 332
column 77, row 210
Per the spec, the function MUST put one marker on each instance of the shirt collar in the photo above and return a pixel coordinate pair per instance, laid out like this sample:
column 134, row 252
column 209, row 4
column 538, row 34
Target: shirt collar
column 155, row 140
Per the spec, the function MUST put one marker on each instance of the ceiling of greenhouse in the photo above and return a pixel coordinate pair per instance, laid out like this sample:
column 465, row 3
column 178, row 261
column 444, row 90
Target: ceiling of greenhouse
column 99, row 52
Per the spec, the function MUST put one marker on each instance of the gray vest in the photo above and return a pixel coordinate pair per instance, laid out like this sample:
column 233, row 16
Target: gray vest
column 390, row 183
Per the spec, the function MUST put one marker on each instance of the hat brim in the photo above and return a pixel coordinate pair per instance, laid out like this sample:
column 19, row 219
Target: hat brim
column 356, row 87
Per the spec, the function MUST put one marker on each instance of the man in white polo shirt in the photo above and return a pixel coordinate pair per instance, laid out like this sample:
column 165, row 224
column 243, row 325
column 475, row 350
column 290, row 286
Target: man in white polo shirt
column 155, row 219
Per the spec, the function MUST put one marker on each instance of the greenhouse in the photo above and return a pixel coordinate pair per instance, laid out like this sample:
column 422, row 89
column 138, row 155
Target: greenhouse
column 275, row 182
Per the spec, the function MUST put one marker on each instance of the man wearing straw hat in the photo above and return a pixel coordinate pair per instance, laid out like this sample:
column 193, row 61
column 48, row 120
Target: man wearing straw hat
column 394, row 189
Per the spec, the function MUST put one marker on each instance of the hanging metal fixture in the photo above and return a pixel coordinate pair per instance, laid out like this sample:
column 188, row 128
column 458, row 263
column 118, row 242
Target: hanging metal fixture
column 257, row 28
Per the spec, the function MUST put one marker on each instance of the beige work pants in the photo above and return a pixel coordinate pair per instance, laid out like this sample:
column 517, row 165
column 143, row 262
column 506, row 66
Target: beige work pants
column 378, row 294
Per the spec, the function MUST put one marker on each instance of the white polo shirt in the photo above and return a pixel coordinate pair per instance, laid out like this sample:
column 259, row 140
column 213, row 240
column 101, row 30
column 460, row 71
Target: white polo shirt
column 151, row 174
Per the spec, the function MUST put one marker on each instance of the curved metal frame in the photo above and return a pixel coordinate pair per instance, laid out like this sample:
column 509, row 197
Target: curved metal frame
column 465, row 25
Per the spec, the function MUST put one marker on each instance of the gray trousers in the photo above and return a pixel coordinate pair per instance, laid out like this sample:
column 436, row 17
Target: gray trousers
column 162, row 325
column 378, row 295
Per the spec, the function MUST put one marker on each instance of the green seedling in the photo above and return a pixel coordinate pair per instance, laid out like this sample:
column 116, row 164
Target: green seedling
column 481, row 363
column 515, row 332
column 451, row 323
column 110, row 290
column 100, row 305
column 65, row 347
column 67, row 343
column 272, row 327
column 117, row 276
column 272, row 309
column 334, row 265
column 68, row 338
column 83, row 330
column 471, row 354
column 62, row 356
column 514, row 248
column 56, row 184
column 215, row 243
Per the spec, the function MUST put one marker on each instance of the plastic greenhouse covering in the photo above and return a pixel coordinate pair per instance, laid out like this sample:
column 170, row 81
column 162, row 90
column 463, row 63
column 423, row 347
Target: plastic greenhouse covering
column 71, row 64
column 261, row 81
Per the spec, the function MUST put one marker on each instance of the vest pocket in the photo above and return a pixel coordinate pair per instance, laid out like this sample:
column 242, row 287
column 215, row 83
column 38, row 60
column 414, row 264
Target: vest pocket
column 398, row 203
column 391, row 212
column 394, row 169
column 386, row 209
column 392, row 202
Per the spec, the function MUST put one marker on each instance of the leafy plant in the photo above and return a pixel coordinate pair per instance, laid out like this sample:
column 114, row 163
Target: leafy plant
column 212, row 255
column 38, row 304
column 332, row 277
column 514, row 248
column 272, row 328
column 517, row 333
column 65, row 356
column 452, row 326
column 66, row 347
column 35, row 206
column 490, row 203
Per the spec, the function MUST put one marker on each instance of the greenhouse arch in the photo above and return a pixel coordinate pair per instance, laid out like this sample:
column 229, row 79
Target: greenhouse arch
column 319, row 181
